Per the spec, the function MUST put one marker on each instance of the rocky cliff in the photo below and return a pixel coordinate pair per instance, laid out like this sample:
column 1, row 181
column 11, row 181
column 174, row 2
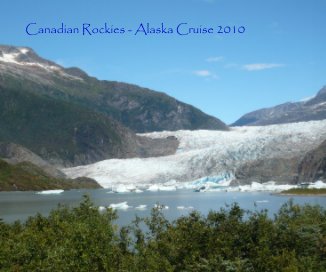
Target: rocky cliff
column 308, row 167
column 313, row 165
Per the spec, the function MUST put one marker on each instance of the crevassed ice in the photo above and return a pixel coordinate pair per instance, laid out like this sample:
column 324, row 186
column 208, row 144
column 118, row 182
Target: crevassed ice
column 206, row 157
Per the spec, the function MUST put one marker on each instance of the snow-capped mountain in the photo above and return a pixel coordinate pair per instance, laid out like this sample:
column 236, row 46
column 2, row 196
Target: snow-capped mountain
column 311, row 109
column 24, row 62
column 69, row 118
column 205, row 153
column 137, row 108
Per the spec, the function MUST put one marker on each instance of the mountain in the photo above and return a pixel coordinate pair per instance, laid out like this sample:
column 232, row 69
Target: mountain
column 27, row 176
column 312, row 109
column 140, row 109
column 67, row 134
column 68, row 118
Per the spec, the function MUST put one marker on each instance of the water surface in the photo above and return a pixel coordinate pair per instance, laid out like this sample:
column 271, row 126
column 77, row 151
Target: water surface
column 21, row 205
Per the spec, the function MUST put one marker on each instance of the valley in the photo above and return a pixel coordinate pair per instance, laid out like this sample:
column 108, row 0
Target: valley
column 128, row 138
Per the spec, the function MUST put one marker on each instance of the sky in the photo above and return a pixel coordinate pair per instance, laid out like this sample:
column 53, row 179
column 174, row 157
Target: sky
column 280, row 56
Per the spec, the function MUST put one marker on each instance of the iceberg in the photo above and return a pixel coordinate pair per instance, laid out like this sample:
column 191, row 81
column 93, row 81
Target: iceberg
column 260, row 187
column 270, row 186
column 123, row 188
column 141, row 207
column 50, row 192
column 167, row 188
column 161, row 187
column 220, row 181
column 164, row 207
column 153, row 188
column 120, row 206
column 317, row 185
column 185, row 208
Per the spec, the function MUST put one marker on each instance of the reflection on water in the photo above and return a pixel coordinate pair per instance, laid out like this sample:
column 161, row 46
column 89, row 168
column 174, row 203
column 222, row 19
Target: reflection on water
column 21, row 205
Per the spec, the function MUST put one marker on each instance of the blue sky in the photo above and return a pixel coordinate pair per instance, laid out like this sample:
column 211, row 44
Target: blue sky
column 281, row 57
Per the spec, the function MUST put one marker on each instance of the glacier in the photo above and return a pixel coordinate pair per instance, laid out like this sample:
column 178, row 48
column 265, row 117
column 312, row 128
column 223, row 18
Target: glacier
column 205, row 158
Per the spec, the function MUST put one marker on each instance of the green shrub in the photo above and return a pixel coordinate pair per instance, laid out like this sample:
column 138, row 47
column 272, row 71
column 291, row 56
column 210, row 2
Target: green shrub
column 231, row 239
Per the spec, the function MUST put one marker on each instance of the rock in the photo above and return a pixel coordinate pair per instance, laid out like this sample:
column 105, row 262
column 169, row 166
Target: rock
column 310, row 167
column 313, row 165
column 280, row 170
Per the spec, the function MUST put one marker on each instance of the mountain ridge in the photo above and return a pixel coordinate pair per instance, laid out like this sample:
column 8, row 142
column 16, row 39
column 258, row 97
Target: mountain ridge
column 137, row 108
column 289, row 112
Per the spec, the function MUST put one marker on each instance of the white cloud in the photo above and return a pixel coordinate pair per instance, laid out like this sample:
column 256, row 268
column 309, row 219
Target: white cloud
column 214, row 59
column 261, row 66
column 205, row 73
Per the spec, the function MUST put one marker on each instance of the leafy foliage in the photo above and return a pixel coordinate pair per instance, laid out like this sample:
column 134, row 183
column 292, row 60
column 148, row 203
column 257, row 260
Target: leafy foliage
column 231, row 239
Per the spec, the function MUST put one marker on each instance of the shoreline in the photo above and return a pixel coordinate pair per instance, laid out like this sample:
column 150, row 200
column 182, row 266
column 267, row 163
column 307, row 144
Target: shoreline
column 298, row 194
column 304, row 192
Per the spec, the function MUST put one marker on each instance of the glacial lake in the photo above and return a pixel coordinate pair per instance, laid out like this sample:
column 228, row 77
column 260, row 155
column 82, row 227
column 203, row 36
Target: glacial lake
column 21, row 205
